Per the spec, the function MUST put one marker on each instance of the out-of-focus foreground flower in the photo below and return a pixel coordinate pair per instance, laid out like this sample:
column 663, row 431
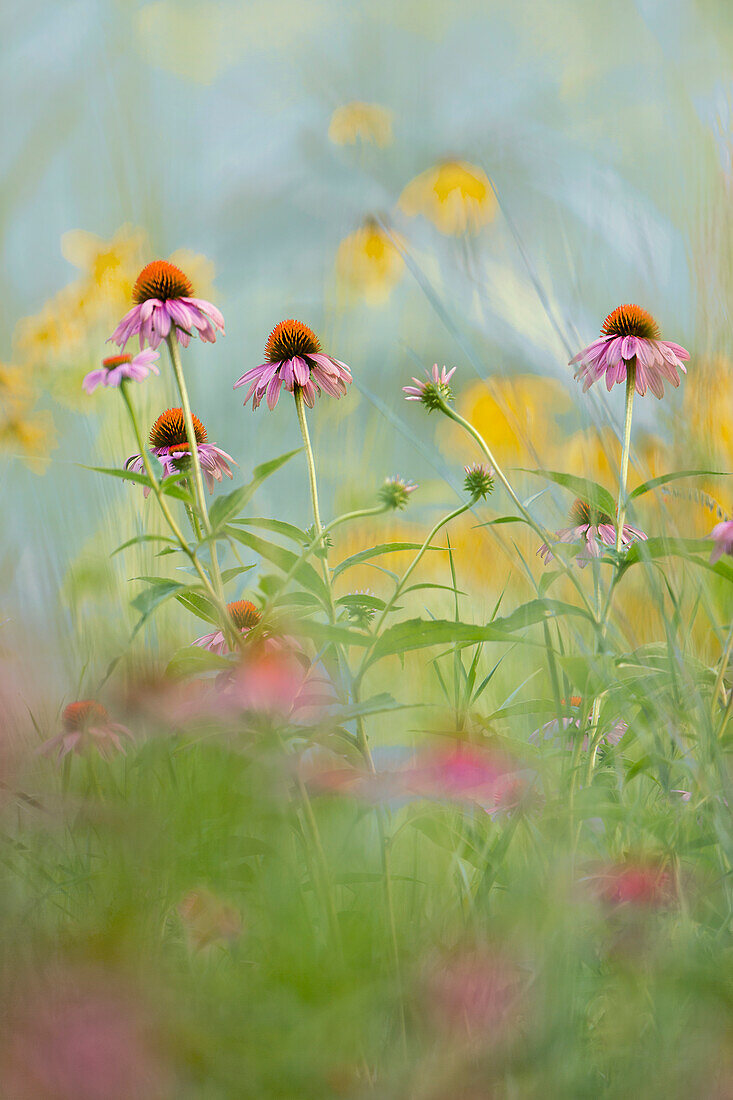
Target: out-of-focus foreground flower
column 722, row 535
column 455, row 196
column 86, row 724
column 79, row 1034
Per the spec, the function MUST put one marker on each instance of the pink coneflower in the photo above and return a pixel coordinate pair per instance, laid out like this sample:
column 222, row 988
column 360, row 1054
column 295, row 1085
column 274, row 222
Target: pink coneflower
column 641, row 885
column 588, row 526
column 293, row 358
column 479, row 481
column 551, row 729
column 271, row 681
column 169, row 442
column 722, row 533
column 116, row 368
column 630, row 338
column 86, row 724
column 243, row 614
column 473, row 994
column 80, row 1034
column 466, row 774
column 395, row 493
column 164, row 303
column 433, row 392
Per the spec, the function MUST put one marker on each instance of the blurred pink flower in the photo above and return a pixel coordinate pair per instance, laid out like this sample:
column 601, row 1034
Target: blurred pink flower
column 86, row 724
column 164, row 303
column 271, row 680
column 169, row 443
column 208, row 920
column 588, row 526
column 473, row 993
column 465, row 773
column 551, row 729
column 293, row 358
column 722, row 534
column 630, row 335
column 77, row 1035
column 117, row 368
column 640, row 885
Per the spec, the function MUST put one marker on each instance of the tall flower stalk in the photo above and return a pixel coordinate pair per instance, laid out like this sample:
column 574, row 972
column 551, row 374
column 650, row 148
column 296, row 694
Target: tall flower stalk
column 624, row 472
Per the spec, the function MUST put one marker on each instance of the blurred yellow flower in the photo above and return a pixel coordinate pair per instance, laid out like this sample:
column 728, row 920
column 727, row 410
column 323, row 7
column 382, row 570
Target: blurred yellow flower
column 709, row 409
column 30, row 434
column 58, row 331
column 110, row 266
column 456, row 196
column 516, row 415
column 369, row 263
column 366, row 122
column 15, row 386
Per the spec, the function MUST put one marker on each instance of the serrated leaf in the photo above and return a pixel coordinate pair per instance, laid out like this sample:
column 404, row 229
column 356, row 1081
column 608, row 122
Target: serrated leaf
column 589, row 491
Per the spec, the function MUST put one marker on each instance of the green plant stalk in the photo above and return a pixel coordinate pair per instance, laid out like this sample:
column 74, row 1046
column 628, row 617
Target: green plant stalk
column 360, row 513
column 536, row 527
column 198, row 481
column 160, row 497
column 310, row 461
column 624, row 472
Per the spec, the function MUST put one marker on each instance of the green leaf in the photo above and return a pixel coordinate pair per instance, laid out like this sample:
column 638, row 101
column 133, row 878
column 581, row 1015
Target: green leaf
column 200, row 605
column 359, row 600
column 287, row 530
column 226, row 507
column 655, row 482
column 236, row 571
column 378, row 704
column 157, row 592
column 283, row 559
column 142, row 538
column 589, row 491
column 529, row 706
column 690, row 549
column 169, row 485
column 323, row 633
column 375, row 552
column 190, row 660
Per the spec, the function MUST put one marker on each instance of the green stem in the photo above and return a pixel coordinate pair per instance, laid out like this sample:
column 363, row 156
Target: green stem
column 536, row 527
column 401, row 584
column 198, row 481
column 624, row 473
column 162, row 502
column 310, row 461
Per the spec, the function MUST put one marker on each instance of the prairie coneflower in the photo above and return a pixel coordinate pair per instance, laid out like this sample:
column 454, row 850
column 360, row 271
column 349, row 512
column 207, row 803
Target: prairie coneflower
column 433, row 392
column 86, row 724
column 395, row 493
column 117, row 368
column 169, row 443
column 630, row 339
column 164, row 302
column 244, row 616
column 365, row 122
column 589, row 525
column 722, row 533
column 293, row 359
column 455, row 196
